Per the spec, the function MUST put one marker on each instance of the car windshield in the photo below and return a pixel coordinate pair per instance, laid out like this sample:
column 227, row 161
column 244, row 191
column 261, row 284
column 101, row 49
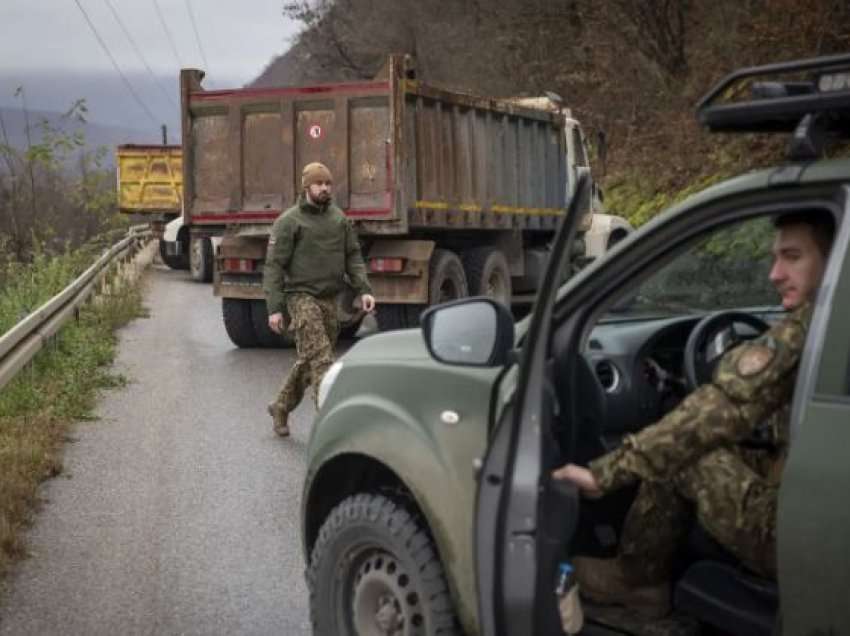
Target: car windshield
column 726, row 270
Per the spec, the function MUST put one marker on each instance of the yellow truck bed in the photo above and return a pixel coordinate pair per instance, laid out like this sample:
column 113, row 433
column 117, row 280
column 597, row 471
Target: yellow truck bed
column 150, row 179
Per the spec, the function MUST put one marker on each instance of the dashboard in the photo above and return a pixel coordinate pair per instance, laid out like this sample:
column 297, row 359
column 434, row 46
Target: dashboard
column 639, row 365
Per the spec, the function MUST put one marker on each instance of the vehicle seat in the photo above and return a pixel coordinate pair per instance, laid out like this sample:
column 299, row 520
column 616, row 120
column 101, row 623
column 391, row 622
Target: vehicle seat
column 722, row 595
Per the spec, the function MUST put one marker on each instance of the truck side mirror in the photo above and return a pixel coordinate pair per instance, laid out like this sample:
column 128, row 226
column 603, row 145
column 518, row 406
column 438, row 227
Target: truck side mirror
column 471, row 332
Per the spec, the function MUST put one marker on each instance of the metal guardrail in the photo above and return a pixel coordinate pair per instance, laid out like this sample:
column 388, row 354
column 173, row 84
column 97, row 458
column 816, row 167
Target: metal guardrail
column 20, row 344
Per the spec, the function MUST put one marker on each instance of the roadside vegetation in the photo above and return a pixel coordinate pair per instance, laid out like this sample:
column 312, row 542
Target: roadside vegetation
column 57, row 216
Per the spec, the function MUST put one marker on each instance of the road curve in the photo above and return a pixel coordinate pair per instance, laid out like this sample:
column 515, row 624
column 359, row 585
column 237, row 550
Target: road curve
column 177, row 512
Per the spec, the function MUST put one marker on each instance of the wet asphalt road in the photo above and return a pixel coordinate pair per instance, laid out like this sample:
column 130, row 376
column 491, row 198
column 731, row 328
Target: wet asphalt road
column 177, row 512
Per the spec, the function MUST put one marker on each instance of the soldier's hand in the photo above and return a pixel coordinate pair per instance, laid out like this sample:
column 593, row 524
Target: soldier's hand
column 367, row 301
column 276, row 322
column 581, row 477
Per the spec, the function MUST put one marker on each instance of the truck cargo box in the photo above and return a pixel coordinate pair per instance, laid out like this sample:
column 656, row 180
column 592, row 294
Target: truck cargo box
column 150, row 179
column 405, row 156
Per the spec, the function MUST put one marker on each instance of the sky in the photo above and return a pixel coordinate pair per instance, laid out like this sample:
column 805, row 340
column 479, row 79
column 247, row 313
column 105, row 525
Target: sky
column 48, row 47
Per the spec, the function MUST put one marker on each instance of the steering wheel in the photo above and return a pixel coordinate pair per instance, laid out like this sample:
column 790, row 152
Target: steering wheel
column 713, row 336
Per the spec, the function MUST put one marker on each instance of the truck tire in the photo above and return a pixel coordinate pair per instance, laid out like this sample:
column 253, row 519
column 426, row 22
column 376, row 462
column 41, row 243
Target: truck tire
column 447, row 278
column 265, row 336
column 237, row 322
column 375, row 570
column 488, row 274
column 201, row 259
column 172, row 262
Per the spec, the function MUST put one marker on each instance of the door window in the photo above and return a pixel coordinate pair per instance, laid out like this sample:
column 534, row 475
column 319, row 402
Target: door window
column 726, row 270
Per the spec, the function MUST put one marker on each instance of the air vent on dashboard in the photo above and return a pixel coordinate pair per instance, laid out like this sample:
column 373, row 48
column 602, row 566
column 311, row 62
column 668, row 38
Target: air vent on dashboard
column 595, row 344
column 608, row 375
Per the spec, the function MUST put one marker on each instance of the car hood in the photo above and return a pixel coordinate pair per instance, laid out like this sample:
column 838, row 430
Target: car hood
column 406, row 344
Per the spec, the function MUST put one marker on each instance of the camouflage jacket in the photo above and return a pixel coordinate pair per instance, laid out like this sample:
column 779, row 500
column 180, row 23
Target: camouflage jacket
column 752, row 386
column 312, row 249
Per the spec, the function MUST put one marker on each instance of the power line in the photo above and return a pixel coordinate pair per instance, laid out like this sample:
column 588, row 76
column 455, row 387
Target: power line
column 115, row 64
column 139, row 53
column 168, row 34
column 197, row 36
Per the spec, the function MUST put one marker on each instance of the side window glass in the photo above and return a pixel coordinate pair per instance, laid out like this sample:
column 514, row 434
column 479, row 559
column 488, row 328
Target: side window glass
column 728, row 269
column 578, row 144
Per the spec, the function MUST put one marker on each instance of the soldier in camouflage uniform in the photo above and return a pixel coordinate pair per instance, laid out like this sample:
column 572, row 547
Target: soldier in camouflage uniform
column 312, row 247
column 692, row 463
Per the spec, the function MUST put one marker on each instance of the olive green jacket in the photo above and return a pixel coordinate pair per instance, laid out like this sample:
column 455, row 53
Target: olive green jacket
column 312, row 249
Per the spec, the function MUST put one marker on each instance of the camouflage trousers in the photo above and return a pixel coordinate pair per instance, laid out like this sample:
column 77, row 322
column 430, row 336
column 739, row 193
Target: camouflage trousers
column 730, row 494
column 314, row 321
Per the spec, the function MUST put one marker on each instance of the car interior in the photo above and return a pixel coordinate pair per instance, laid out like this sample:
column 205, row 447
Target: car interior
column 650, row 345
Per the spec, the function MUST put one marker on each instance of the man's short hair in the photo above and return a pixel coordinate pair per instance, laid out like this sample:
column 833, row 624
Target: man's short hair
column 821, row 222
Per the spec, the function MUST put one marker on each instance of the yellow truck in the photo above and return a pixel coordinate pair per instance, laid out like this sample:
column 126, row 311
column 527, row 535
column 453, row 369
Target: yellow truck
column 150, row 185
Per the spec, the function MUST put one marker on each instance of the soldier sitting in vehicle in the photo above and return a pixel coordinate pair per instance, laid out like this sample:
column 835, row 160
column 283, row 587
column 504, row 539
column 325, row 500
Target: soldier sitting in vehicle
column 692, row 461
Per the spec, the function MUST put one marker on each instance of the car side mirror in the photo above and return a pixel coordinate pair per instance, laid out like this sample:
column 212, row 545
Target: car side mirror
column 471, row 332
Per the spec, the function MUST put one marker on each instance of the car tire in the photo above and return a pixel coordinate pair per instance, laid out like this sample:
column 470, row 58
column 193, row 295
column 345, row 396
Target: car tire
column 265, row 336
column 201, row 259
column 488, row 274
column 375, row 566
column 237, row 322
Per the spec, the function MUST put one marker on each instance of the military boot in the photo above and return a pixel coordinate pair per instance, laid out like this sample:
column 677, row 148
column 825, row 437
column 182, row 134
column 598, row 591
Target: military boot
column 604, row 581
column 279, row 417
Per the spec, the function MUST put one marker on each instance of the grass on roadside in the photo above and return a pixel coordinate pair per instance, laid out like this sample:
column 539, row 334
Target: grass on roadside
column 60, row 386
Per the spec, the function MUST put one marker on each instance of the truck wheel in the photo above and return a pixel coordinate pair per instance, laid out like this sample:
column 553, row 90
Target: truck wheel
column 201, row 259
column 375, row 570
column 488, row 274
column 237, row 321
column 173, row 262
column 265, row 336
column 447, row 278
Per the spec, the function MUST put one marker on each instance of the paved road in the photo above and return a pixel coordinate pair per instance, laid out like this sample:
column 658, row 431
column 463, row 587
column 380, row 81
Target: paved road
column 177, row 512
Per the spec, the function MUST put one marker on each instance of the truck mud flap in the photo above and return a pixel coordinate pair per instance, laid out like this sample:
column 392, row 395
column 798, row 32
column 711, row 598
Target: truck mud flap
column 409, row 285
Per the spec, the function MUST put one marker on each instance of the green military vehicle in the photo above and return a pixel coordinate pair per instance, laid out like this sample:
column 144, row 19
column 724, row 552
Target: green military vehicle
column 428, row 506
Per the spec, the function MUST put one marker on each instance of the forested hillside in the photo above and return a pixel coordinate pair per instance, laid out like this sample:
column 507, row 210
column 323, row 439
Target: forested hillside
column 630, row 68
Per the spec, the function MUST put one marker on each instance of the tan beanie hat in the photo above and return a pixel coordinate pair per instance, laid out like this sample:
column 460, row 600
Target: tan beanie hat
column 313, row 173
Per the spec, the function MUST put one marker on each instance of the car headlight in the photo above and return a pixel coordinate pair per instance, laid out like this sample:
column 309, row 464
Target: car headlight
column 327, row 382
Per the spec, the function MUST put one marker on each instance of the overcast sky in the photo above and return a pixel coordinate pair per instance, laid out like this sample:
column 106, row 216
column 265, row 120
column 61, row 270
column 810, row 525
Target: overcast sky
column 48, row 47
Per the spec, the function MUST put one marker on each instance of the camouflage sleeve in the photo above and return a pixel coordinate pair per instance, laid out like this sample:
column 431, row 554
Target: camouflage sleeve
column 354, row 265
column 278, row 255
column 751, row 382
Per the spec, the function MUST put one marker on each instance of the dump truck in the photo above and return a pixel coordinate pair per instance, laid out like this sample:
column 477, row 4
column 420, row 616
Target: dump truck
column 150, row 183
column 452, row 194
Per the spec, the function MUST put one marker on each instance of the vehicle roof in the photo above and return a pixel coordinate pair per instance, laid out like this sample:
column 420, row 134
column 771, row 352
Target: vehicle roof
column 828, row 170
column 824, row 171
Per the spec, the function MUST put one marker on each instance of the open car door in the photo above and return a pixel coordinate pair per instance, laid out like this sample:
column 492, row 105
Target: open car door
column 517, row 548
